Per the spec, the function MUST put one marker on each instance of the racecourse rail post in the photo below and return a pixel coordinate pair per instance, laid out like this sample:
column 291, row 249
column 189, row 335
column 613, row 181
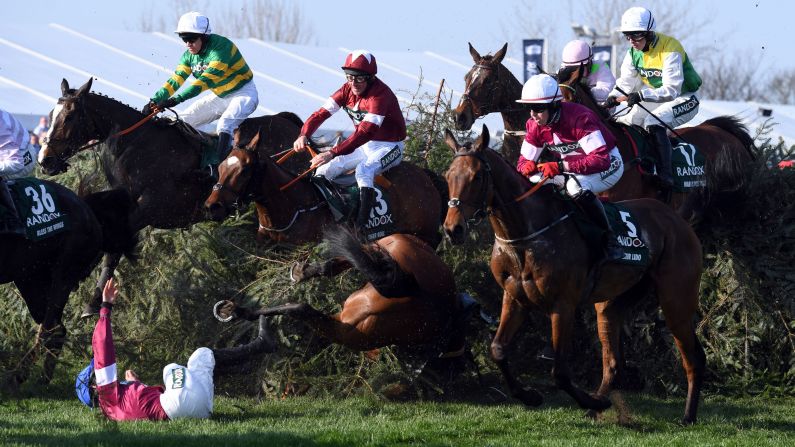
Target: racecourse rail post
column 433, row 120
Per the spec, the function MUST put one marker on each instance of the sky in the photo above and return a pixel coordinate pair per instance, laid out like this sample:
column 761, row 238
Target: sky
column 443, row 26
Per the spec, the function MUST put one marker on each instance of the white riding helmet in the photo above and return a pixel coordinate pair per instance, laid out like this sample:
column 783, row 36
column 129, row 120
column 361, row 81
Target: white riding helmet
column 636, row 19
column 540, row 89
column 195, row 23
column 575, row 53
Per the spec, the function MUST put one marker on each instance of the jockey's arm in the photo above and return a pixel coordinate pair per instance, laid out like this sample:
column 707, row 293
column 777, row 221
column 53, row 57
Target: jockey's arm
column 628, row 80
column 672, row 80
column 363, row 133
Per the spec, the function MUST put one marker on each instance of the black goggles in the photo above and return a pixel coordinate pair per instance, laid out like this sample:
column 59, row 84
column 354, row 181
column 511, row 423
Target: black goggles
column 635, row 36
column 357, row 78
column 538, row 107
column 189, row 37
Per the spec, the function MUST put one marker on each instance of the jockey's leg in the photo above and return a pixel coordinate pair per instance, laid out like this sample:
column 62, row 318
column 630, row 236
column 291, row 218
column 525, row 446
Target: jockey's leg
column 366, row 200
column 380, row 156
column 592, row 206
column 8, row 202
column 236, row 108
column 660, row 135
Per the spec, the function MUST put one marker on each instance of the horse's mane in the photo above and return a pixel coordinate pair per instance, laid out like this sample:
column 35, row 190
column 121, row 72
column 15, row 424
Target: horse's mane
column 108, row 98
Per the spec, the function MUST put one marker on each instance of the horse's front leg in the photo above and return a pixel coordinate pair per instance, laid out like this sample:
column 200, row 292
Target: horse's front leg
column 511, row 319
column 302, row 271
column 562, row 330
column 109, row 263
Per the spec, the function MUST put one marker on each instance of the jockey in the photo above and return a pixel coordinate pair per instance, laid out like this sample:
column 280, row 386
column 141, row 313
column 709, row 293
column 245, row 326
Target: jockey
column 581, row 146
column 376, row 144
column 187, row 393
column 656, row 73
column 217, row 65
column 17, row 159
column 578, row 55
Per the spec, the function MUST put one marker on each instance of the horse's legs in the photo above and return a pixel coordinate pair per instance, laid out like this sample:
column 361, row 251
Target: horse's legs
column 679, row 320
column 511, row 319
column 52, row 333
column 330, row 267
column 562, row 329
column 109, row 263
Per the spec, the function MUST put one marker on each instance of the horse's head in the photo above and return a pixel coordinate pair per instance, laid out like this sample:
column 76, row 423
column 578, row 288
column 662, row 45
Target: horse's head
column 234, row 176
column 569, row 80
column 470, row 184
column 71, row 128
column 484, row 89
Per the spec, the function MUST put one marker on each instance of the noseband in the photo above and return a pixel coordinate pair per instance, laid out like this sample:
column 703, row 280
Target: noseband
column 485, row 208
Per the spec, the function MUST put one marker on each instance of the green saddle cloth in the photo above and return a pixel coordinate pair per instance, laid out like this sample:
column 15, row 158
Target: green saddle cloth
column 625, row 229
column 344, row 206
column 40, row 212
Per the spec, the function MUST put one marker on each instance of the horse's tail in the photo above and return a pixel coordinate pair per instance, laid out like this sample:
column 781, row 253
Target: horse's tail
column 444, row 192
column 376, row 265
column 112, row 209
column 727, row 171
column 292, row 117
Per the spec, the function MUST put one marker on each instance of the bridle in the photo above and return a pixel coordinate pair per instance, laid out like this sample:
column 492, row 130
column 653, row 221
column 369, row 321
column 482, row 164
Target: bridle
column 484, row 109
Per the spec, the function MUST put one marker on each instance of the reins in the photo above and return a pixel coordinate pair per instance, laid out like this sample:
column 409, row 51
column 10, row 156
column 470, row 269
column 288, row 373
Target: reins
column 121, row 133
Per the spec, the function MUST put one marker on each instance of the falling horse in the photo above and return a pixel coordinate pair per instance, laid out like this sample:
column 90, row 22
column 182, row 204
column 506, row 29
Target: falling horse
column 66, row 236
column 490, row 87
column 541, row 261
column 158, row 163
column 723, row 140
column 297, row 213
column 409, row 300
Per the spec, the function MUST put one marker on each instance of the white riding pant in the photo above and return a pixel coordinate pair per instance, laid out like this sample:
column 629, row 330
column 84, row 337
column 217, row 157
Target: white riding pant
column 674, row 113
column 16, row 163
column 597, row 182
column 230, row 110
column 369, row 159
column 189, row 391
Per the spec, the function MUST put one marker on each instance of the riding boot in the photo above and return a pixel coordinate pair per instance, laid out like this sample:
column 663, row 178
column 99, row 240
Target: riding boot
column 222, row 149
column 664, row 172
column 15, row 225
column 592, row 206
column 264, row 343
column 366, row 199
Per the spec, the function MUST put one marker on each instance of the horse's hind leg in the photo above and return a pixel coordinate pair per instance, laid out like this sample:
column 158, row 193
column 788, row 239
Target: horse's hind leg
column 109, row 264
column 51, row 334
column 331, row 267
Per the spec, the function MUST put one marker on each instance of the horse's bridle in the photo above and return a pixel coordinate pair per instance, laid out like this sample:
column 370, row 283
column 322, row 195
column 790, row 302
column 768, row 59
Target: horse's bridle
column 86, row 126
column 487, row 187
column 243, row 193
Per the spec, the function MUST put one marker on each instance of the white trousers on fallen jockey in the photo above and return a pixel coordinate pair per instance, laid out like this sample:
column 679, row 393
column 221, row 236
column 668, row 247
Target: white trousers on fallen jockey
column 189, row 390
column 598, row 182
column 673, row 113
column 18, row 163
column 369, row 159
column 230, row 110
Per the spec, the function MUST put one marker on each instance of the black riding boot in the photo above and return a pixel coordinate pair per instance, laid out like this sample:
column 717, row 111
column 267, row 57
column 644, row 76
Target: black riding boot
column 226, row 357
column 593, row 208
column 6, row 200
column 366, row 199
column 222, row 149
column 664, row 172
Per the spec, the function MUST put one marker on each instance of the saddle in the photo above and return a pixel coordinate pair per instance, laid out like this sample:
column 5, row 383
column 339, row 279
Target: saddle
column 342, row 196
column 687, row 162
column 201, row 142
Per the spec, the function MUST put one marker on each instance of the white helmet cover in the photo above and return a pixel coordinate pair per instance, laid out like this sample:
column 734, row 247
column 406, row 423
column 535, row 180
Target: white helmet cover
column 194, row 22
column 637, row 19
column 540, row 89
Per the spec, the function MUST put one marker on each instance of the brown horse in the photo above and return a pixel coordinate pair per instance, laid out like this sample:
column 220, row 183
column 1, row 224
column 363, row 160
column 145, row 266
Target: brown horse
column 490, row 87
column 409, row 300
column 723, row 140
column 298, row 214
column 542, row 262
column 47, row 268
column 157, row 163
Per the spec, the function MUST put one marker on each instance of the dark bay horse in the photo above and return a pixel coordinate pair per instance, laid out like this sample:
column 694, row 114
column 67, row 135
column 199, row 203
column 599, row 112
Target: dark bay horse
column 490, row 87
column 541, row 261
column 158, row 163
column 723, row 140
column 299, row 214
column 409, row 299
column 46, row 270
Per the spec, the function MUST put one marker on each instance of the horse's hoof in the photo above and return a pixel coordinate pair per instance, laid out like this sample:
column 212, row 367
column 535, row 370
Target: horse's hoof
column 296, row 273
column 224, row 311
column 687, row 421
column 600, row 403
column 89, row 311
column 529, row 397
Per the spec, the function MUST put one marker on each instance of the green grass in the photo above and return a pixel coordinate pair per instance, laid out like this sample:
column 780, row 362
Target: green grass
column 370, row 421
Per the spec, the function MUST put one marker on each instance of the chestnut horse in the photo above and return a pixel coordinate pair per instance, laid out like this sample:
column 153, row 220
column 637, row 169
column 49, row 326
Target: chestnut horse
column 409, row 300
column 725, row 142
column 46, row 269
column 157, row 163
column 542, row 262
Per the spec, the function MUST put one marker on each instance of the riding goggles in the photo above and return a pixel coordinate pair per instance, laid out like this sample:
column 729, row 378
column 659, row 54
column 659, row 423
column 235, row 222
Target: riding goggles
column 635, row 35
column 538, row 107
column 189, row 37
column 357, row 78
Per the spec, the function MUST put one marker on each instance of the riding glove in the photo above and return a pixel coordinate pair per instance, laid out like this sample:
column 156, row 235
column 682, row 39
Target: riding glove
column 610, row 102
column 634, row 98
column 147, row 109
column 163, row 105
column 528, row 167
column 550, row 169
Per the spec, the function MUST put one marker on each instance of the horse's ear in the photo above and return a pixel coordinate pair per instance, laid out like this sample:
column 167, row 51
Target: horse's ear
column 500, row 54
column 254, row 140
column 483, row 140
column 85, row 88
column 475, row 55
column 64, row 87
column 450, row 140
